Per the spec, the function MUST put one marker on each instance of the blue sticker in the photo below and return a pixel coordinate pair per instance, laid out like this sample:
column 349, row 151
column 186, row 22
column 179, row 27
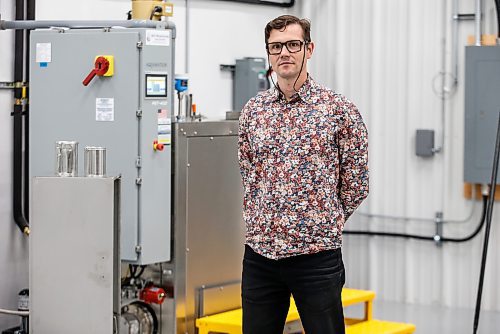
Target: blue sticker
column 44, row 64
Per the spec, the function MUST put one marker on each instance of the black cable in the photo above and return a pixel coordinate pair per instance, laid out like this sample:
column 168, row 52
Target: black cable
column 478, row 228
column 161, row 286
column 140, row 272
column 30, row 15
column 301, row 66
column 497, row 5
column 489, row 213
column 428, row 238
column 17, row 126
column 132, row 269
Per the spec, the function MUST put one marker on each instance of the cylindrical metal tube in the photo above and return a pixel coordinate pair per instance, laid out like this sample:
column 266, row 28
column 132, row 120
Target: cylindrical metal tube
column 95, row 161
column 66, row 158
column 29, row 24
column 189, row 106
column 479, row 4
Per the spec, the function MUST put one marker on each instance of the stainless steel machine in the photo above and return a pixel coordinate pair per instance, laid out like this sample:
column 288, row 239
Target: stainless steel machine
column 180, row 211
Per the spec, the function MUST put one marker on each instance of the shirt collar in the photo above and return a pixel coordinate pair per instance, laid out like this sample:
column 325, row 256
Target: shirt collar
column 304, row 93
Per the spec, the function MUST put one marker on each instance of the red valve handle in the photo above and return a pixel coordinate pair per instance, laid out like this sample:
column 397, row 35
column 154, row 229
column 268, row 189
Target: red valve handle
column 89, row 77
column 101, row 66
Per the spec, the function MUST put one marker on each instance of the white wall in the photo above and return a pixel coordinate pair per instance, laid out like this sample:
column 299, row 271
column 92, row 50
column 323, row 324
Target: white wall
column 385, row 55
column 13, row 245
column 219, row 32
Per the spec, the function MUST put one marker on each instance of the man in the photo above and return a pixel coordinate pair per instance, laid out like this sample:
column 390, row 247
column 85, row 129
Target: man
column 304, row 162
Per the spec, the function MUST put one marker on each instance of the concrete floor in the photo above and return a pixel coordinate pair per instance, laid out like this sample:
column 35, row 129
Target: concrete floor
column 433, row 319
column 428, row 319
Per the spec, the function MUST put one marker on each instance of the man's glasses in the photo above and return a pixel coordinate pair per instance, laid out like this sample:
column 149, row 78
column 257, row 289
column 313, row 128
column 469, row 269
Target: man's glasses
column 292, row 46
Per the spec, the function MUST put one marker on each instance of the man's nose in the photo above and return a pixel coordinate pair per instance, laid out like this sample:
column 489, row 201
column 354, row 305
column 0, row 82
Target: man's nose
column 284, row 51
column 285, row 54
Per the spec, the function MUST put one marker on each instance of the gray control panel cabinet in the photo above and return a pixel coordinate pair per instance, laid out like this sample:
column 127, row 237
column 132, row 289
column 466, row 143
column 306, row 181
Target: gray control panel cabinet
column 482, row 108
column 125, row 113
column 249, row 79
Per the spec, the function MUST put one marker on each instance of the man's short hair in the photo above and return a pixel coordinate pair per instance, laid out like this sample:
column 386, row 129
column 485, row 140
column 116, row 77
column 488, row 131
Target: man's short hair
column 281, row 22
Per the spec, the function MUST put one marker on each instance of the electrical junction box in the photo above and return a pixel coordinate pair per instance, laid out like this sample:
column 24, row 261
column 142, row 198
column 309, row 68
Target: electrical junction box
column 126, row 113
column 424, row 143
column 482, row 110
column 249, row 79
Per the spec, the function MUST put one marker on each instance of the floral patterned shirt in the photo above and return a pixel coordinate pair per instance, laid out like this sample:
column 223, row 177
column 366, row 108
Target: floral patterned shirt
column 304, row 165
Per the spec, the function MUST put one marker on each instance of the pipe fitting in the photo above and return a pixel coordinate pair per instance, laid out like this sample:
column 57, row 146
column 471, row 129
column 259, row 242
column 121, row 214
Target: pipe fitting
column 45, row 24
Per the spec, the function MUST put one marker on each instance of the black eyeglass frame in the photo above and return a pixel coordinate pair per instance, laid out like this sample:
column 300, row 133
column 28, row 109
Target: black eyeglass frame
column 286, row 45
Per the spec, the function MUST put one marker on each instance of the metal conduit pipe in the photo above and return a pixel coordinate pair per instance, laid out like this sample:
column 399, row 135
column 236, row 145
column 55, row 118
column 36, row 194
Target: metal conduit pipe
column 454, row 42
column 32, row 24
column 19, row 313
column 417, row 219
column 394, row 217
column 30, row 15
column 436, row 238
column 479, row 4
column 17, row 127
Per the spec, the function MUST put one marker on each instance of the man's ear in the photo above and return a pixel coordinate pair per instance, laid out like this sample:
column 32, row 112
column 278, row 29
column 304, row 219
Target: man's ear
column 309, row 50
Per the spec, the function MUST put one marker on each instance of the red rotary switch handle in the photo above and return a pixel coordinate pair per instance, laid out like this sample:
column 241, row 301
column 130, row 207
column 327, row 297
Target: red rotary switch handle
column 157, row 146
column 101, row 66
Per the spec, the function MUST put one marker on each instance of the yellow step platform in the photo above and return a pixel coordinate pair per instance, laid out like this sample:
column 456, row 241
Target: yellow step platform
column 230, row 322
column 380, row 327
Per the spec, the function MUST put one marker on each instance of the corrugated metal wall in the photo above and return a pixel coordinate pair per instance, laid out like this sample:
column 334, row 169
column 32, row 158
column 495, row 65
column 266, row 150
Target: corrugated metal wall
column 388, row 56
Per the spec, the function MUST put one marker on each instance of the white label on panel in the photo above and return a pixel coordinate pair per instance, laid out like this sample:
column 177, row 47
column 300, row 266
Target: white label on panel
column 104, row 109
column 164, row 127
column 43, row 52
column 158, row 37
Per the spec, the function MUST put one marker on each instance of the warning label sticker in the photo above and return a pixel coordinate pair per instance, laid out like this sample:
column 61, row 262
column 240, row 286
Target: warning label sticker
column 104, row 109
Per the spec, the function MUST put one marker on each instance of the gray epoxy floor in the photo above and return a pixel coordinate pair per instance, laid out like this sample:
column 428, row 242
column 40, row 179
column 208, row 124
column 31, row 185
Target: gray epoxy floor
column 433, row 319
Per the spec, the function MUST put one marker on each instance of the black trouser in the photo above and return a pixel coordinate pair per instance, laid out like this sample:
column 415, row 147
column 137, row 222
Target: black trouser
column 314, row 280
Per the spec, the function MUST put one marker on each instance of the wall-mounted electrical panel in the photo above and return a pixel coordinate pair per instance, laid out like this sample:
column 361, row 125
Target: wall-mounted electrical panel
column 111, row 88
column 482, row 109
column 249, row 79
